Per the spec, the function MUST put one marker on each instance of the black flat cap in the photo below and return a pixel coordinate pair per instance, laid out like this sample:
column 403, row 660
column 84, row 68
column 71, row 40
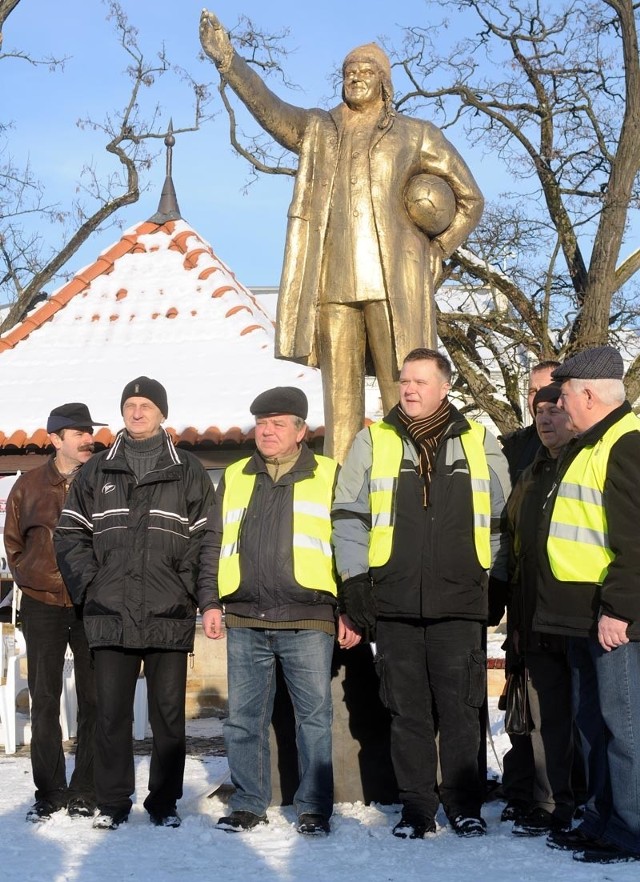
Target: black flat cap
column 281, row 399
column 598, row 363
column 547, row 393
column 71, row 416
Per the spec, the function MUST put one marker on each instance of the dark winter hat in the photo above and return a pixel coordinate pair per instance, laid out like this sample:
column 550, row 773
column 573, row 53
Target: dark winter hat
column 598, row 363
column 281, row 399
column 70, row 416
column 547, row 393
column 144, row 387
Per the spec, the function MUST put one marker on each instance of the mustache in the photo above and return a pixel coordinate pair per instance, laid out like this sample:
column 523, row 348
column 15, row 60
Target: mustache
column 86, row 448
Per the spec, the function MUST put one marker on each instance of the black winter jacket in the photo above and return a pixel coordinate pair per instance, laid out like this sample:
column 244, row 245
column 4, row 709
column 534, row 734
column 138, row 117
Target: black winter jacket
column 520, row 448
column 433, row 571
column 524, row 515
column 130, row 549
column 572, row 608
column 268, row 589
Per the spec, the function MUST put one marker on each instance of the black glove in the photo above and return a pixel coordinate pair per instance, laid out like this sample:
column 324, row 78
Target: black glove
column 357, row 601
column 498, row 594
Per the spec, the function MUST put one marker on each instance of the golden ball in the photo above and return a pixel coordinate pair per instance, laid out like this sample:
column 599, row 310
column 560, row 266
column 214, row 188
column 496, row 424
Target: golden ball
column 430, row 203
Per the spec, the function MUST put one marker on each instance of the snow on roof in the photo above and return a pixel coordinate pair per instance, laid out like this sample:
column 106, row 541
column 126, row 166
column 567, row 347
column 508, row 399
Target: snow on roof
column 159, row 303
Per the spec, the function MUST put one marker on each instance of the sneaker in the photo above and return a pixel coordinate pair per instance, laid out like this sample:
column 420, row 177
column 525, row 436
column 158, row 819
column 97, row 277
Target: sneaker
column 515, row 810
column 468, row 827
column 41, row 810
column 573, row 840
column 238, row 821
column 78, row 807
column 539, row 822
column 313, row 825
column 606, row 853
column 169, row 819
column 110, row 820
column 405, row 829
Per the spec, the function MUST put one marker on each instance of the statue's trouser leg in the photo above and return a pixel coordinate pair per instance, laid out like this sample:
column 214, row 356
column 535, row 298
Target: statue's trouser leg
column 341, row 351
column 343, row 330
column 380, row 336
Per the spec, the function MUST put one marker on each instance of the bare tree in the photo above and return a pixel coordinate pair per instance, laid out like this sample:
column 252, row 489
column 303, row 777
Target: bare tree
column 552, row 93
column 6, row 8
column 128, row 133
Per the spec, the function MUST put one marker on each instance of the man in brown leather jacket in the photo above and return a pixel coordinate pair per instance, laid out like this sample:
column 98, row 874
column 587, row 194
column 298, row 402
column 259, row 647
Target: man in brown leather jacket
column 49, row 619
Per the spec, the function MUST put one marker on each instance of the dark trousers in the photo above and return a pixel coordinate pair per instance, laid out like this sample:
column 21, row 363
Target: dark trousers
column 48, row 630
column 117, row 671
column 539, row 768
column 433, row 679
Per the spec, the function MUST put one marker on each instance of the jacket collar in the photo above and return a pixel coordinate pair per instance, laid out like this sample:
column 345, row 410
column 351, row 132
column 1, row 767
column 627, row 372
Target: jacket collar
column 53, row 474
column 305, row 463
column 115, row 459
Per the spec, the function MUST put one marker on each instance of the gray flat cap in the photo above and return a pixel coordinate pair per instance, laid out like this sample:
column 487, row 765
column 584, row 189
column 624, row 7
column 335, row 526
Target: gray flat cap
column 599, row 363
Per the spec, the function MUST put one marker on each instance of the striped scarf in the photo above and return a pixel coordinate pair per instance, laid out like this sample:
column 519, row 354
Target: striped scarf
column 427, row 433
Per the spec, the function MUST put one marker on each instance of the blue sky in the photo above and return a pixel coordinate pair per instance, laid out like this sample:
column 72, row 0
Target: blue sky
column 246, row 230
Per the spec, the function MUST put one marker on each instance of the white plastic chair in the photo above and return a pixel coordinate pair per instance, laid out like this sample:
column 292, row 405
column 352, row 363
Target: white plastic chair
column 9, row 691
column 69, row 703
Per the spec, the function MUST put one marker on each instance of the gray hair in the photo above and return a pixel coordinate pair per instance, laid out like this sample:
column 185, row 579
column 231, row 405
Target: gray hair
column 611, row 393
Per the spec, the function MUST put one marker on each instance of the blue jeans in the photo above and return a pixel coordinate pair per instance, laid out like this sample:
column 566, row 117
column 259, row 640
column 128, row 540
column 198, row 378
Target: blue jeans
column 606, row 697
column 305, row 657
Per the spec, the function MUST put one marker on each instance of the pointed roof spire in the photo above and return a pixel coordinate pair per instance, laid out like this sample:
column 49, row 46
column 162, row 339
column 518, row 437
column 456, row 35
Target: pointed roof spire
column 168, row 208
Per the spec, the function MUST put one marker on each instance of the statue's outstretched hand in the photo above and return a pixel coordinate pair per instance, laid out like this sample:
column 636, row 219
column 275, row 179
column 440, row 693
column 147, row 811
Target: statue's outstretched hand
column 214, row 39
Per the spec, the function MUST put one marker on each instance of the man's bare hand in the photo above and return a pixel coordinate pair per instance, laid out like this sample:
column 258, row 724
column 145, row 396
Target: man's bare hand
column 348, row 634
column 612, row 633
column 214, row 39
column 212, row 624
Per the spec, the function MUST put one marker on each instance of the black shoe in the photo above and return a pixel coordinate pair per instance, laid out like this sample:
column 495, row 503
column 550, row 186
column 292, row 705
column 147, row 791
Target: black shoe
column 515, row 810
column 468, row 827
column 313, row 825
column 606, row 853
column 573, row 840
column 406, row 829
column 539, row 822
column 170, row 818
column 78, row 807
column 238, row 821
column 41, row 810
column 110, row 819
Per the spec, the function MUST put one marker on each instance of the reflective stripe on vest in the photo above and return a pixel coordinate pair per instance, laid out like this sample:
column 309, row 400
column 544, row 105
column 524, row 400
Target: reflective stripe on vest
column 312, row 554
column 387, row 455
column 578, row 541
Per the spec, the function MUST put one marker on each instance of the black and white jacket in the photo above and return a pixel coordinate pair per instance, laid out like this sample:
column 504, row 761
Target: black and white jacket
column 129, row 550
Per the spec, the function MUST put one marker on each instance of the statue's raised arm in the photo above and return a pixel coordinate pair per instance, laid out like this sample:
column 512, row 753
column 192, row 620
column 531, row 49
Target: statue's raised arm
column 380, row 200
column 283, row 121
column 215, row 40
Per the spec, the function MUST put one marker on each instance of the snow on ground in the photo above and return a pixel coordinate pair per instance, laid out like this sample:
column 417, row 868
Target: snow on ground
column 360, row 846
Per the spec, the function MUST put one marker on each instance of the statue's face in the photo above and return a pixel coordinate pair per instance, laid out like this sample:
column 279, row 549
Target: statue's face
column 362, row 84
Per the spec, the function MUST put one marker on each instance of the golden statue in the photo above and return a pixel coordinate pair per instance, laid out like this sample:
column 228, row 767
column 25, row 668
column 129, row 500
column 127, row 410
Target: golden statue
column 380, row 200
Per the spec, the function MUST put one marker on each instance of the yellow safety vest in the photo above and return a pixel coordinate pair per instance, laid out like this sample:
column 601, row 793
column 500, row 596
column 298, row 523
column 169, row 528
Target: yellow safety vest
column 385, row 469
column 311, row 541
column 578, row 541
